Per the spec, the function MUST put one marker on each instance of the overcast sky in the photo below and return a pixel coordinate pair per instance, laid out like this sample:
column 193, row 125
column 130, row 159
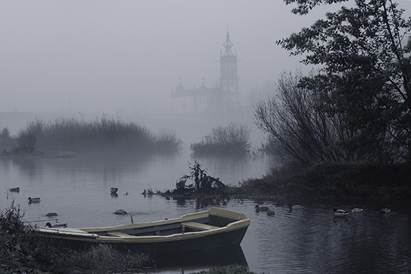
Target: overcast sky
column 106, row 56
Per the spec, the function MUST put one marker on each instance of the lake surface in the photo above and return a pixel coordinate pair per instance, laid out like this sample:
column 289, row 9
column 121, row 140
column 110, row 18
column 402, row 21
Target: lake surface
column 296, row 240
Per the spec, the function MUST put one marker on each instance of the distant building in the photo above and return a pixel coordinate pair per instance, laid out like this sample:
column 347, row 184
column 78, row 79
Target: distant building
column 224, row 95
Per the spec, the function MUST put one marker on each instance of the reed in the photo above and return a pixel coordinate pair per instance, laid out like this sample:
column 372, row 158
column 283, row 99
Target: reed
column 224, row 141
column 75, row 135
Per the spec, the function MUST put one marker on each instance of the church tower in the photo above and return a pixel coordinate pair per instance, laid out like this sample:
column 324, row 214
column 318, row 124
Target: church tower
column 223, row 97
column 228, row 70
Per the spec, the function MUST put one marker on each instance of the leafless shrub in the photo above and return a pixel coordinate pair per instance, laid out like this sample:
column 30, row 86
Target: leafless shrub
column 298, row 126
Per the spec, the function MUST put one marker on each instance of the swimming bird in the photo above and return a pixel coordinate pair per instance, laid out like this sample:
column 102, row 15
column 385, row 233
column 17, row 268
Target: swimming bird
column 385, row 210
column 340, row 212
column 113, row 190
column 270, row 212
column 259, row 208
column 51, row 214
column 33, row 200
column 15, row 189
column 120, row 212
column 357, row 210
column 55, row 225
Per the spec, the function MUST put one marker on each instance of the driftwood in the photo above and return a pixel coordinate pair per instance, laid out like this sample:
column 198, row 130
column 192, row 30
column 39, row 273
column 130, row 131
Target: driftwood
column 197, row 184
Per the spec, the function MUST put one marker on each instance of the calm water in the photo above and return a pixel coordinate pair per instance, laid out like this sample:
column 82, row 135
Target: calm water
column 295, row 240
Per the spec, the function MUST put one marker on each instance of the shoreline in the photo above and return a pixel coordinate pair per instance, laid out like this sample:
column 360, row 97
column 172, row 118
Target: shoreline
column 324, row 185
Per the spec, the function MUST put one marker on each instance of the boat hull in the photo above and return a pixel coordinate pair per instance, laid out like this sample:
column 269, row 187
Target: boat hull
column 215, row 232
column 209, row 242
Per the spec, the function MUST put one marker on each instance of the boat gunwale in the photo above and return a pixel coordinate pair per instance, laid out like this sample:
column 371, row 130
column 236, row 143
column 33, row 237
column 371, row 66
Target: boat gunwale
column 186, row 217
column 93, row 237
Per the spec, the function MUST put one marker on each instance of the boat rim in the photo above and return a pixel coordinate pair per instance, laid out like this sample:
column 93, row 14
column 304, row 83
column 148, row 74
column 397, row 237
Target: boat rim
column 86, row 233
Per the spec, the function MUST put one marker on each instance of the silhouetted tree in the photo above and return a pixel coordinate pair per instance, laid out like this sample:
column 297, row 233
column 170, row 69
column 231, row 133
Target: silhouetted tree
column 364, row 70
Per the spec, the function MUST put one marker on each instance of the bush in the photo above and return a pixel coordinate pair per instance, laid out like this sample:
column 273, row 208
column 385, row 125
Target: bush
column 71, row 134
column 224, row 141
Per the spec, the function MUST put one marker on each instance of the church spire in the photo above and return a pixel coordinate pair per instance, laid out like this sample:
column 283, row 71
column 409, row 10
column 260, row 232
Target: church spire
column 228, row 45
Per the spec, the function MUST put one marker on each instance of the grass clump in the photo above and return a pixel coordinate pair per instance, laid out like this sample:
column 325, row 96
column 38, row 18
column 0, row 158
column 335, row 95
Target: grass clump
column 232, row 269
column 22, row 252
column 224, row 141
column 103, row 134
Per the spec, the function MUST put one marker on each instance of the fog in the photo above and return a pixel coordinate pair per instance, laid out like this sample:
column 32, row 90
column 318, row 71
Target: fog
column 125, row 57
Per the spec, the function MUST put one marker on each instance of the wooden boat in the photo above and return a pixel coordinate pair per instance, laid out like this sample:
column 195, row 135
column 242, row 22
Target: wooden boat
column 213, row 228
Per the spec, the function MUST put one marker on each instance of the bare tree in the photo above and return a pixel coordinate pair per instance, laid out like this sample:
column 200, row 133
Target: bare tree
column 300, row 128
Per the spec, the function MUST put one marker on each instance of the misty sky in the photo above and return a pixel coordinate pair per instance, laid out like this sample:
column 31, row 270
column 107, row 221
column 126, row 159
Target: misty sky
column 106, row 56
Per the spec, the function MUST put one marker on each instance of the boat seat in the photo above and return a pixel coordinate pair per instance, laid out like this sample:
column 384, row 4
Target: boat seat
column 118, row 234
column 198, row 226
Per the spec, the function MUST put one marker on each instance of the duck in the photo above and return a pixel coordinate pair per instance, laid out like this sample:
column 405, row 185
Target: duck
column 15, row 189
column 340, row 212
column 113, row 190
column 120, row 212
column 55, row 225
column 357, row 210
column 51, row 214
column 259, row 208
column 385, row 210
column 270, row 212
column 33, row 200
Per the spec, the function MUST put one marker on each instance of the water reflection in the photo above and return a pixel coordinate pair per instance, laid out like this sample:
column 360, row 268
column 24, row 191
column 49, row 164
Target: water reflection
column 296, row 240
column 202, row 260
column 309, row 240
column 199, row 202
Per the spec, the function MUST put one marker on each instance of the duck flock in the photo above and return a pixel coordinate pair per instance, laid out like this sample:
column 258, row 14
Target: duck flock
column 337, row 212
column 269, row 211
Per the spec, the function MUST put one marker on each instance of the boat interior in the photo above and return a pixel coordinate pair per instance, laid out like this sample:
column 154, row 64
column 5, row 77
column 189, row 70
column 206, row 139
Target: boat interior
column 201, row 221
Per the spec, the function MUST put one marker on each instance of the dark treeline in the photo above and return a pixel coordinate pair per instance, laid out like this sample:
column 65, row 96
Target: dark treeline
column 231, row 140
column 74, row 135
column 357, row 105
